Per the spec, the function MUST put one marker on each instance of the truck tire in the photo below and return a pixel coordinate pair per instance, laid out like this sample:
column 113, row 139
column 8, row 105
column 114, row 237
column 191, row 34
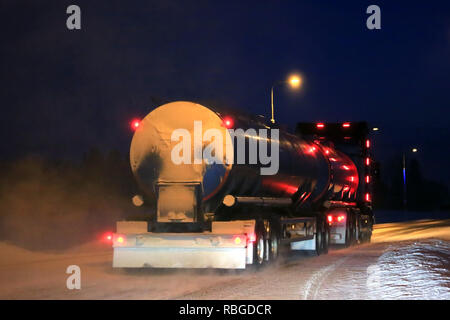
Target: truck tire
column 367, row 237
column 348, row 232
column 319, row 240
column 354, row 230
column 259, row 246
column 325, row 238
column 274, row 241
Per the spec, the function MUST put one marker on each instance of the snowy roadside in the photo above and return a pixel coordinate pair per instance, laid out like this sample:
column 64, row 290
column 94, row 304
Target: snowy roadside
column 418, row 270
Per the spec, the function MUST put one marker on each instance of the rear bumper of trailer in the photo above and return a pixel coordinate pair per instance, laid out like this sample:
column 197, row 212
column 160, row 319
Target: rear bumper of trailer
column 183, row 250
column 175, row 257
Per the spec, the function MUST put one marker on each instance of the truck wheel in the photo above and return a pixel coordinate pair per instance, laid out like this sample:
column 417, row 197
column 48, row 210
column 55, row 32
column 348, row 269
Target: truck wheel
column 326, row 238
column 368, row 237
column 259, row 245
column 354, row 231
column 348, row 232
column 273, row 247
column 319, row 240
column 274, row 243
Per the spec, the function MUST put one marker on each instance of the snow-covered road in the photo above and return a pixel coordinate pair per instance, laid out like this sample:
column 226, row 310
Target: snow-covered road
column 409, row 260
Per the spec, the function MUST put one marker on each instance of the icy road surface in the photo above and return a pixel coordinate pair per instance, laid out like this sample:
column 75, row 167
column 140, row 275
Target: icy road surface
column 409, row 260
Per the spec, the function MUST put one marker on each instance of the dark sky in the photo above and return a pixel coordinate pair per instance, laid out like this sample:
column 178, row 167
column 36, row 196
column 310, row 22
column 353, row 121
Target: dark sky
column 65, row 91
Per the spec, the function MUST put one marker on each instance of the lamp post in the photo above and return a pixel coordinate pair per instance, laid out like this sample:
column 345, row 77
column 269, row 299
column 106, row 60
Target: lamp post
column 414, row 150
column 294, row 81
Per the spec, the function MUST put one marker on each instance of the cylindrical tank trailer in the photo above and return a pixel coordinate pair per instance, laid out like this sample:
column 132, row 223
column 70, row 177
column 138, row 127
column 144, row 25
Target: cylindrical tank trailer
column 172, row 147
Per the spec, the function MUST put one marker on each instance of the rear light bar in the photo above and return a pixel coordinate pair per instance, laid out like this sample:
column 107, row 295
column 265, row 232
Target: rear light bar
column 332, row 218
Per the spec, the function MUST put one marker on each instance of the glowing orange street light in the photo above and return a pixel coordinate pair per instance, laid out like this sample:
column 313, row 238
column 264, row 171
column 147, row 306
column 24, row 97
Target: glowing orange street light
column 295, row 81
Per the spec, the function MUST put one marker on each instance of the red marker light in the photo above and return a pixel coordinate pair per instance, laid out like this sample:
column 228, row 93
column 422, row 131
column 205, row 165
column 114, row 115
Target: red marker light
column 346, row 125
column 107, row 237
column 345, row 167
column 330, row 218
column 228, row 122
column 367, row 143
column 367, row 161
column 251, row 237
column 135, row 124
column 320, row 126
column 367, row 179
column 367, row 197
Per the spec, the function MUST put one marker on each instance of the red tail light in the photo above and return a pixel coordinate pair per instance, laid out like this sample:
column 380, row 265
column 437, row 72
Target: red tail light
column 368, row 197
column 339, row 218
column 346, row 125
column 320, row 126
column 251, row 237
column 107, row 237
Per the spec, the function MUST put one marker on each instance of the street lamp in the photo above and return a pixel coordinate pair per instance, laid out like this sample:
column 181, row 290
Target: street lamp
column 414, row 150
column 295, row 81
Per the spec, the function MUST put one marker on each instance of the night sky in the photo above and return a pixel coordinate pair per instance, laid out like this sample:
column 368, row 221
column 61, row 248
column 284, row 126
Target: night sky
column 66, row 91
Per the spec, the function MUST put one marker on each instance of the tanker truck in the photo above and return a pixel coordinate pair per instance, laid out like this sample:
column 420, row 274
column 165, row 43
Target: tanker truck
column 230, row 189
